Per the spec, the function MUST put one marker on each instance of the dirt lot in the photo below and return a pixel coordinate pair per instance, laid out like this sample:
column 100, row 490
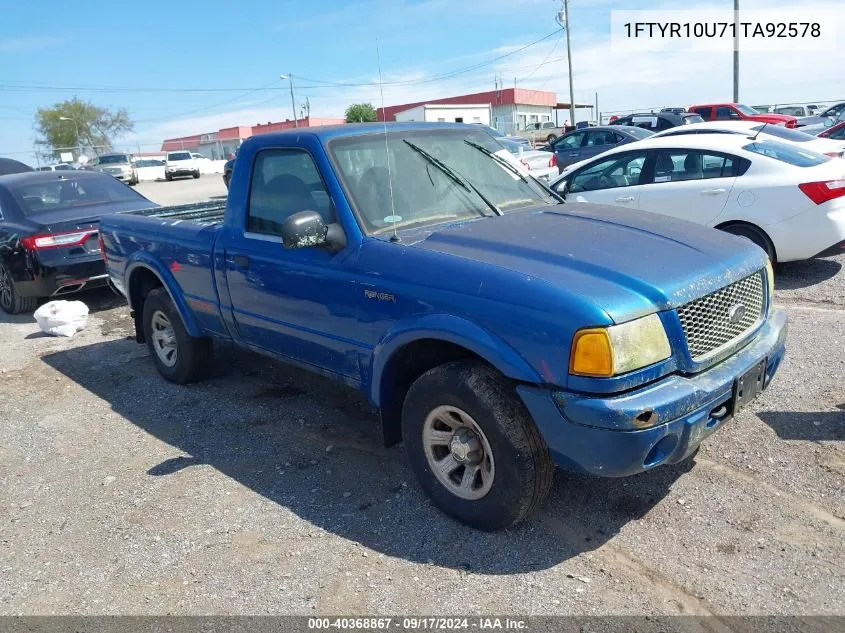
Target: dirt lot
column 266, row 490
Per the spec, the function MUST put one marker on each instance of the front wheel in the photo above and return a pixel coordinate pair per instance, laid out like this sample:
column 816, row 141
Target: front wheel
column 196, row 174
column 473, row 446
column 551, row 138
column 178, row 356
column 168, row 177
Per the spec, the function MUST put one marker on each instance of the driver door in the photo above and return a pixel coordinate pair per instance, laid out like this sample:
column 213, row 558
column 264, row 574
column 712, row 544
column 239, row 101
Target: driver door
column 614, row 180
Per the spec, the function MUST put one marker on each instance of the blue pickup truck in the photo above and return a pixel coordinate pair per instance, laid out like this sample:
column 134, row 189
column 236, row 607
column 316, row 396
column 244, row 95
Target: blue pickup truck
column 498, row 330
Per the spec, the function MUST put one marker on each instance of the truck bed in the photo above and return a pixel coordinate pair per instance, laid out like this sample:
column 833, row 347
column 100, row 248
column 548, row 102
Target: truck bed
column 203, row 213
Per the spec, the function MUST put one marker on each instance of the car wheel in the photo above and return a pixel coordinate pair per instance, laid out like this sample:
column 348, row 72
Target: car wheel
column 754, row 234
column 168, row 177
column 10, row 301
column 474, row 447
column 178, row 356
column 196, row 174
column 551, row 138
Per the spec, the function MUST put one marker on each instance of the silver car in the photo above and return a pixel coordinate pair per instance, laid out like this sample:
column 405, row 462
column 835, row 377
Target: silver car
column 118, row 165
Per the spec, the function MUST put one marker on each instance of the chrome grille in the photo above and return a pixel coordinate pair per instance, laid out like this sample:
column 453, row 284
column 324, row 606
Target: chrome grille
column 713, row 322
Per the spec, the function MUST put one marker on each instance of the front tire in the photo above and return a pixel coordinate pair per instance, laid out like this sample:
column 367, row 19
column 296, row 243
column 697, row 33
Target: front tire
column 168, row 177
column 10, row 301
column 196, row 174
column 551, row 138
column 474, row 447
column 178, row 356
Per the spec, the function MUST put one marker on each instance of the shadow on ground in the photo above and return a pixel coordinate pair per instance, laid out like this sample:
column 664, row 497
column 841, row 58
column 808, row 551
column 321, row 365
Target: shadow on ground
column 796, row 275
column 315, row 447
column 816, row 426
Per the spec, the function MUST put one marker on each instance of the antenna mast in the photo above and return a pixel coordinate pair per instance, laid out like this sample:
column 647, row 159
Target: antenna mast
column 395, row 236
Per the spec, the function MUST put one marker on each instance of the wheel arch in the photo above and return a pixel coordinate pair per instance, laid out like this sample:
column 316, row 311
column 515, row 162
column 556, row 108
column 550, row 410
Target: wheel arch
column 406, row 354
column 144, row 275
column 729, row 223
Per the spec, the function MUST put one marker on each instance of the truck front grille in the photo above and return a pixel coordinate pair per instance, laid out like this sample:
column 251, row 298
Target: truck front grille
column 724, row 317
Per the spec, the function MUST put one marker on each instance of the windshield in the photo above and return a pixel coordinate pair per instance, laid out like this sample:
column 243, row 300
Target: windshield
column 787, row 153
column 785, row 133
column 113, row 159
column 746, row 110
column 639, row 132
column 423, row 193
column 693, row 118
column 179, row 156
column 54, row 195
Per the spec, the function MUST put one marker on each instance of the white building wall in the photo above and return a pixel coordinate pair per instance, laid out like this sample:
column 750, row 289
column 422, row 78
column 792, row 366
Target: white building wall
column 449, row 114
column 508, row 118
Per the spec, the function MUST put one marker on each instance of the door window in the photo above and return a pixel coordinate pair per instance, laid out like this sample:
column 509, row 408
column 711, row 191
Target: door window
column 704, row 112
column 570, row 141
column 724, row 113
column 285, row 182
column 619, row 171
column 678, row 165
column 601, row 137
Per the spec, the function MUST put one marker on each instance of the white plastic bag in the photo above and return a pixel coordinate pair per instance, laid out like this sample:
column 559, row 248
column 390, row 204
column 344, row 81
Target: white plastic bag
column 62, row 318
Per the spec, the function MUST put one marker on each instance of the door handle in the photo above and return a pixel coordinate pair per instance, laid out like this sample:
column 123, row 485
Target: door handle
column 625, row 199
column 712, row 192
column 240, row 261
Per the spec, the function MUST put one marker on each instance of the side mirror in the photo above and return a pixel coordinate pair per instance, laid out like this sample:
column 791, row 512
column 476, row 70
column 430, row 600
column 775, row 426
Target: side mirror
column 306, row 229
column 563, row 187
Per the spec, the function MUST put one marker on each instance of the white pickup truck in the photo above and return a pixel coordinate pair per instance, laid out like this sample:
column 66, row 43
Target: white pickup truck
column 180, row 163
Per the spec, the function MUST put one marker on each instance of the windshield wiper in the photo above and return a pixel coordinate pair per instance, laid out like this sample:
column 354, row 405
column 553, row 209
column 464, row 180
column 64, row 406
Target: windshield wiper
column 453, row 175
column 511, row 168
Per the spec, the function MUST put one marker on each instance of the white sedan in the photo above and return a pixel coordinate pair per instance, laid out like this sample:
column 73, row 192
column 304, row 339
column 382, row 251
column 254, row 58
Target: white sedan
column 787, row 200
column 826, row 146
column 540, row 164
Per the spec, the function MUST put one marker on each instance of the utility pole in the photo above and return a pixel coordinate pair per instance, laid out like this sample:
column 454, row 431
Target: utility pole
column 736, row 51
column 563, row 20
column 289, row 77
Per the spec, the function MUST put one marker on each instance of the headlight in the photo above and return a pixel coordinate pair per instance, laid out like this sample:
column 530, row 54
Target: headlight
column 770, row 277
column 619, row 349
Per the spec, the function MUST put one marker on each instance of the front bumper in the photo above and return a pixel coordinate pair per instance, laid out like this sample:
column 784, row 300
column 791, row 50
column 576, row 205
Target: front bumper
column 176, row 173
column 54, row 281
column 599, row 436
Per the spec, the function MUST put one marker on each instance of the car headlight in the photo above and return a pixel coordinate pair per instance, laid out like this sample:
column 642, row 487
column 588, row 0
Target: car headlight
column 618, row 349
column 770, row 277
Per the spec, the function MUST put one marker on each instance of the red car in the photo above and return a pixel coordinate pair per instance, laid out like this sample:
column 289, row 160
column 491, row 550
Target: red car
column 836, row 132
column 739, row 112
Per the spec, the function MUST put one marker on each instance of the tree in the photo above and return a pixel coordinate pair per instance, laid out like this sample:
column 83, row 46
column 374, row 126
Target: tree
column 79, row 124
column 361, row 113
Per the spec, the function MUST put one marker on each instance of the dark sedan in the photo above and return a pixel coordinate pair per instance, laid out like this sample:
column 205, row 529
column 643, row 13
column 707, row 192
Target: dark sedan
column 49, row 242
column 659, row 121
column 583, row 144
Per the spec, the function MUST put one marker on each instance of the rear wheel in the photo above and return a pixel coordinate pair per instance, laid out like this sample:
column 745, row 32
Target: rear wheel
column 551, row 138
column 178, row 356
column 754, row 234
column 10, row 301
column 196, row 174
column 473, row 446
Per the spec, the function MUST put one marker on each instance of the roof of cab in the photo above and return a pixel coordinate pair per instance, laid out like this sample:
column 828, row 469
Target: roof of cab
column 328, row 132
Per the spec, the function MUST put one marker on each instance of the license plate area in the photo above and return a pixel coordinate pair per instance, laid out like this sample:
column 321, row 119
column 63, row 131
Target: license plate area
column 749, row 385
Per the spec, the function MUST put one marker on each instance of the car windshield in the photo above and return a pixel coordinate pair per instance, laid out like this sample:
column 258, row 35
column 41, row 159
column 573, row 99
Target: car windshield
column 787, row 153
column 512, row 146
column 747, row 111
column 639, row 132
column 179, row 156
column 784, row 133
column 431, row 174
column 69, row 192
column 693, row 118
column 113, row 159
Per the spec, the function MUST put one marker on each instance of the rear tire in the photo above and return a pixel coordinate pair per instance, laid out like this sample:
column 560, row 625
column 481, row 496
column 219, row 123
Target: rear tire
column 551, row 138
column 178, row 356
column 10, row 301
column 507, row 446
column 196, row 174
column 754, row 234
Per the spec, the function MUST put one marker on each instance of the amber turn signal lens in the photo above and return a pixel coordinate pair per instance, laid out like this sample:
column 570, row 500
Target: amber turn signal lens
column 592, row 354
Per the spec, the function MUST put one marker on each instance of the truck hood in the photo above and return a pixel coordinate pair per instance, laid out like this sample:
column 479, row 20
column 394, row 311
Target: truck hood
column 629, row 264
column 773, row 118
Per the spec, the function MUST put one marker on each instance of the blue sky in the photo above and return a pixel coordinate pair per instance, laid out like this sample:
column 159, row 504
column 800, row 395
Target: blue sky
column 140, row 55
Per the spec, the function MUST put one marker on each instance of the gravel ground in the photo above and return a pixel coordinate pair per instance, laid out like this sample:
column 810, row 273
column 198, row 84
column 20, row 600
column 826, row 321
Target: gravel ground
column 266, row 490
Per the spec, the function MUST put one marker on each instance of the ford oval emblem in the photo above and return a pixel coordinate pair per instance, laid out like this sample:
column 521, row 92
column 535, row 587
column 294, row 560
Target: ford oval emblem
column 736, row 313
